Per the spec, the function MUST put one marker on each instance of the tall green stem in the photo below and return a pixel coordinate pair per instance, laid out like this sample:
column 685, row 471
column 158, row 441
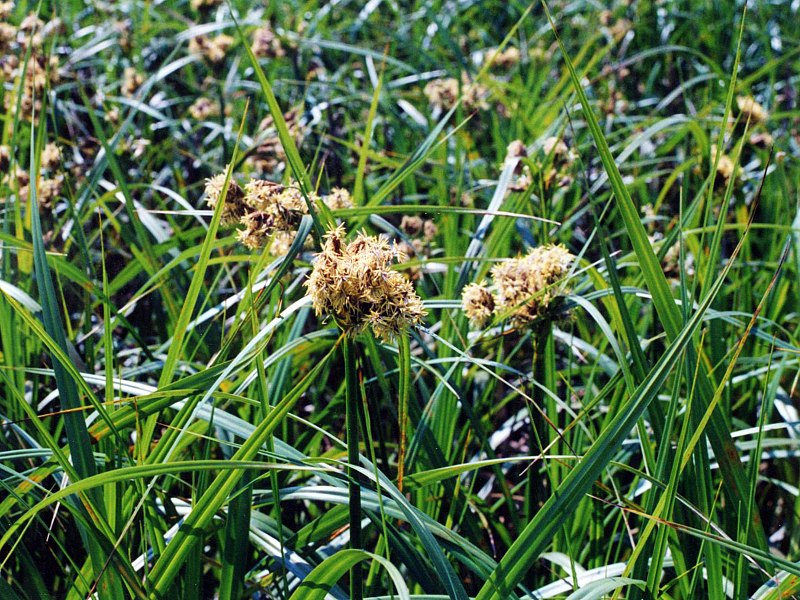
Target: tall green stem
column 351, row 410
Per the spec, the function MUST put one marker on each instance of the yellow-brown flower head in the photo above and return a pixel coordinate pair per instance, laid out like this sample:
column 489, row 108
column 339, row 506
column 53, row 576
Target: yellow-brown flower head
column 258, row 226
column 234, row 206
column 338, row 198
column 6, row 8
column 266, row 44
column 355, row 283
column 204, row 108
column 131, row 80
column 274, row 212
column 443, row 94
column 51, row 156
column 212, row 49
column 286, row 204
column 751, row 110
column 504, row 59
column 478, row 303
column 524, row 286
column 725, row 166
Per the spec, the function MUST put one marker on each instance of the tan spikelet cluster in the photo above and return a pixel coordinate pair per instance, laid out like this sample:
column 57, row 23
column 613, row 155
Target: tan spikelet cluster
column 443, row 94
column 213, row 49
column 751, row 110
column 478, row 303
column 234, row 207
column 269, row 156
column 354, row 283
column 504, row 59
column 725, row 165
column 266, row 44
column 522, row 288
column 131, row 81
column 421, row 234
column 35, row 76
column 268, row 212
column 204, row 108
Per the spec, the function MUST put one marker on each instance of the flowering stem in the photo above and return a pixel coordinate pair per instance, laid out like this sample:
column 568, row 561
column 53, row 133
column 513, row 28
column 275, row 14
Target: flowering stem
column 404, row 367
column 351, row 411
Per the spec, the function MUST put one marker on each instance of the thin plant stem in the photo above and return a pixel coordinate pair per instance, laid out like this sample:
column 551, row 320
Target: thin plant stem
column 351, row 412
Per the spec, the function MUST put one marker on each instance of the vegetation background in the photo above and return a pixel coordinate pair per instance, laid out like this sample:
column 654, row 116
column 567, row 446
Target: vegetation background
column 177, row 422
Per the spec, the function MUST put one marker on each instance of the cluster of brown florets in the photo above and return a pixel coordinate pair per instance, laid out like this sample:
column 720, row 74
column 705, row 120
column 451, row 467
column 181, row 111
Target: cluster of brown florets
column 503, row 59
column 131, row 81
column 48, row 186
column 421, row 234
column 213, row 49
column 354, row 283
column 32, row 77
column 442, row 94
column 268, row 213
column 523, row 288
column 269, row 156
column 266, row 44
column 204, row 108
column 554, row 164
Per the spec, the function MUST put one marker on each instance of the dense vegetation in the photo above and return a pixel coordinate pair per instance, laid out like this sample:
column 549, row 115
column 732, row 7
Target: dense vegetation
column 569, row 362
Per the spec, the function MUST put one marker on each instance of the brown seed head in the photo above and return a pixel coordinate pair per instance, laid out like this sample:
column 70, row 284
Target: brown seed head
column 234, row 208
column 355, row 284
column 478, row 303
column 524, row 286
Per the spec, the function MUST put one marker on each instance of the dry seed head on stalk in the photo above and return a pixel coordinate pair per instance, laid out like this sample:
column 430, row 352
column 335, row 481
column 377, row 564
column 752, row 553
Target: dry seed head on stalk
column 751, row 110
column 234, row 207
column 524, row 286
column 355, row 284
column 338, row 198
column 204, row 108
column 478, row 303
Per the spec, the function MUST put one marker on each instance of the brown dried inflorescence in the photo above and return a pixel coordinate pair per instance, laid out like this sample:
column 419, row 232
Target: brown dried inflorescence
column 354, row 282
column 266, row 44
column 204, row 108
column 213, row 49
column 751, row 110
column 234, row 206
column 269, row 212
column 478, row 303
column 443, row 94
column 269, row 156
column 523, row 288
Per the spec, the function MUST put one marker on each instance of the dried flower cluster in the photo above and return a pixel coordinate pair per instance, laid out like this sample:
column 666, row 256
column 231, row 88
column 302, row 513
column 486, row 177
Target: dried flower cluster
column 131, row 81
column 269, row 156
column 39, row 73
column 554, row 165
column 725, row 165
column 269, row 212
column 266, row 44
column 751, row 110
column 421, row 233
column 442, row 94
column 354, row 282
column 213, row 49
column 523, row 288
column 478, row 303
column 504, row 59
column 204, row 108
